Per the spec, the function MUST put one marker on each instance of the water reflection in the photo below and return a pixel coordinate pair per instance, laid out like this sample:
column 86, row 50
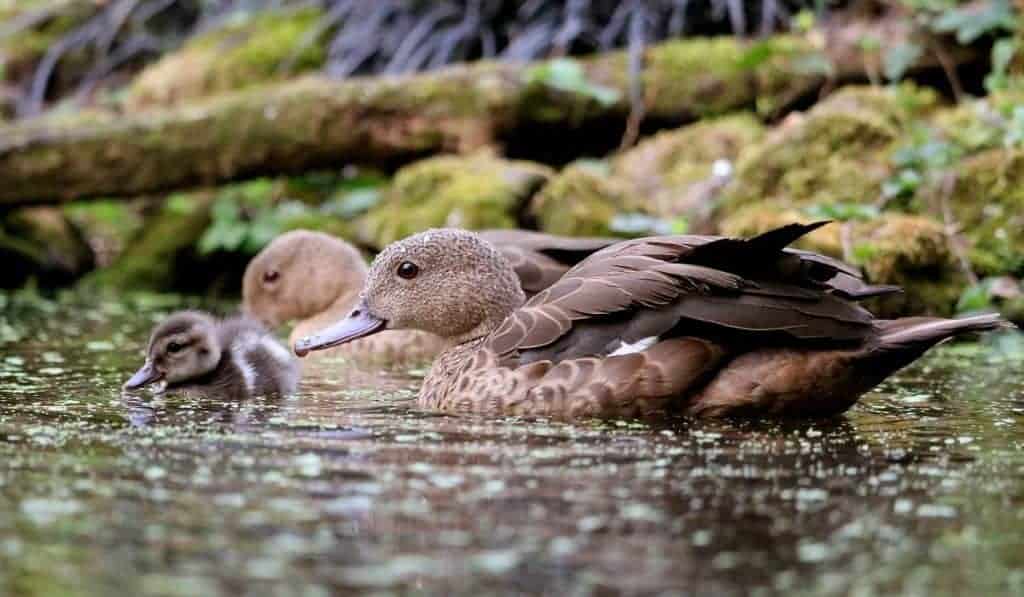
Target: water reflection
column 347, row 485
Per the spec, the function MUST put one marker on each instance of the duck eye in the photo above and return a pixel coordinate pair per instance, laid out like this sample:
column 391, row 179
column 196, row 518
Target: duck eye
column 271, row 276
column 408, row 270
column 174, row 347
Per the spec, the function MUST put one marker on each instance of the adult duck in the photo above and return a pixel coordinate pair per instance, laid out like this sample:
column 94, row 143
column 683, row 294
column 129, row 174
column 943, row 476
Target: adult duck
column 231, row 358
column 315, row 278
column 709, row 326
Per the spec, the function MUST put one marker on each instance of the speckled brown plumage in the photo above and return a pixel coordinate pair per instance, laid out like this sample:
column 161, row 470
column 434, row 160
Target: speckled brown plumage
column 315, row 278
column 708, row 325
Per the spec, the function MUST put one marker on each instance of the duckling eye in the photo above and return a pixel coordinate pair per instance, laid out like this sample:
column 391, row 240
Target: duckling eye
column 271, row 276
column 174, row 347
column 408, row 270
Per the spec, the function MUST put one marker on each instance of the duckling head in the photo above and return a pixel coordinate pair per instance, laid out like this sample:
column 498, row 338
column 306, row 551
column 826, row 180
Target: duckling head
column 447, row 281
column 299, row 274
column 184, row 347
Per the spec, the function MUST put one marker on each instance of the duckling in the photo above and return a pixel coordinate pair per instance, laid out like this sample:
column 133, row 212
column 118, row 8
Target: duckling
column 315, row 278
column 235, row 357
column 704, row 325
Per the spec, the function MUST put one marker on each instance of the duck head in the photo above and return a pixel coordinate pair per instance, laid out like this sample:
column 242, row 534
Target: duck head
column 182, row 348
column 447, row 281
column 299, row 274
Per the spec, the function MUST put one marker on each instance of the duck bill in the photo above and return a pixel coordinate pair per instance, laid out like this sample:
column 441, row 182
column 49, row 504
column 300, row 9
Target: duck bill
column 359, row 324
column 143, row 377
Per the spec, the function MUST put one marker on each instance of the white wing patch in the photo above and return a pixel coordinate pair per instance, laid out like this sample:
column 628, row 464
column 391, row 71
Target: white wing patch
column 239, row 353
column 277, row 352
column 640, row 345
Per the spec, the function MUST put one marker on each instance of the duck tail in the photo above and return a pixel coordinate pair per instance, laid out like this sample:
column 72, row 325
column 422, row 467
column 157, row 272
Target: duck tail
column 909, row 337
column 779, row 238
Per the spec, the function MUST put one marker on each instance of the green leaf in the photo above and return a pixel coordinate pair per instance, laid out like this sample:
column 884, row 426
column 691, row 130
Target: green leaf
column 803, row 21
column 976, row 19
column 975, row 298
column 352, row 203
column 1014, row 136
column 903, row 185
column 565, row 74
column 898, row 59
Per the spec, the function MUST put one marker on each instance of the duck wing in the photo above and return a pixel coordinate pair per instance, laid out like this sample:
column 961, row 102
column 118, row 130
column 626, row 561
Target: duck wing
column 541, row 259
column 750, row 291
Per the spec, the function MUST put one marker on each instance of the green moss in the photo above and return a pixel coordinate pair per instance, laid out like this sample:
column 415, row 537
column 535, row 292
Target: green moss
column 839, row 151
column 893, row 248
column 477, row 191
column 672, row 167
column 246, row 51
column 582, row 200
column 988, row 205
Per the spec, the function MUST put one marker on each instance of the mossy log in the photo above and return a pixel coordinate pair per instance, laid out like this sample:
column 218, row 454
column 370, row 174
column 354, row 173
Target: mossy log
column 314, row 122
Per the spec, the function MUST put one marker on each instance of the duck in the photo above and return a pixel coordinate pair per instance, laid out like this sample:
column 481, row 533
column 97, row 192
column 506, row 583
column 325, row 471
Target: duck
column 315, row 278
column 707, row 326
column 232, row 358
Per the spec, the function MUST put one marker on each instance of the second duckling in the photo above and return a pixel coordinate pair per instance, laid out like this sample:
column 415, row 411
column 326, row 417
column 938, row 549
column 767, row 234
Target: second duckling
column 231, row 358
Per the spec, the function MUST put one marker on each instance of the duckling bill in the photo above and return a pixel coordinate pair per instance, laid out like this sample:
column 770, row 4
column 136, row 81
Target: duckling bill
column 233, row 358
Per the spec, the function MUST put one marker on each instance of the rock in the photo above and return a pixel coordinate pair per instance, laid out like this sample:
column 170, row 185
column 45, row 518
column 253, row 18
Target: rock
column 41, row 243
column 892, row 248
column 680, row 172
column 474, row 192
column 583, row 200
column 258, row 48
column 838, row 151
column 987, row 204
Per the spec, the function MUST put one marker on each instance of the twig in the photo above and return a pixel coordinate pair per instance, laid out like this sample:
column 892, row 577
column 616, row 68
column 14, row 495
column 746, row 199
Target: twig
column 637, row 30
column 951, row 228
column 949, row 68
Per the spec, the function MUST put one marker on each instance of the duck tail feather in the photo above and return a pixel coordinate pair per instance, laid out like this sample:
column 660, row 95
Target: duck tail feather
column 921, row 333
column 783, row 236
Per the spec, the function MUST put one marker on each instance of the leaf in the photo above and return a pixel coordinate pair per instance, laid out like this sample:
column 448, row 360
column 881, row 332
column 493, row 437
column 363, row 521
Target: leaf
column 976, row 19
column 565, row 74
column 975, row 298
column 904, row 184
column 1002, row 53
column 352, row 203
column 1014, row 135
column 898, row 59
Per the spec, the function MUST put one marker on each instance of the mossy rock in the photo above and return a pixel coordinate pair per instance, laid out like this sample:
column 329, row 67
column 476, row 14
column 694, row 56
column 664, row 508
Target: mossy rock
column 474, row 192
column 583, row 200
column 987, row 204
column 893, row 248
column 255, row 49
column 674, row 169
column 40, row 243
column 839, row 151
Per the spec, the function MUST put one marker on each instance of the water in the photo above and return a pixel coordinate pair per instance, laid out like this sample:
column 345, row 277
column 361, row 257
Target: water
column 919, row 489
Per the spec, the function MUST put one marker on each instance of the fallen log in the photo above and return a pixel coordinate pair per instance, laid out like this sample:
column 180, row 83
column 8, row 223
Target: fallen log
column 315, row 122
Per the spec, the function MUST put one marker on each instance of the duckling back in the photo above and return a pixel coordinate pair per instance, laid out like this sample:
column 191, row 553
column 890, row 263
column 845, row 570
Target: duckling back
column 259, row 362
